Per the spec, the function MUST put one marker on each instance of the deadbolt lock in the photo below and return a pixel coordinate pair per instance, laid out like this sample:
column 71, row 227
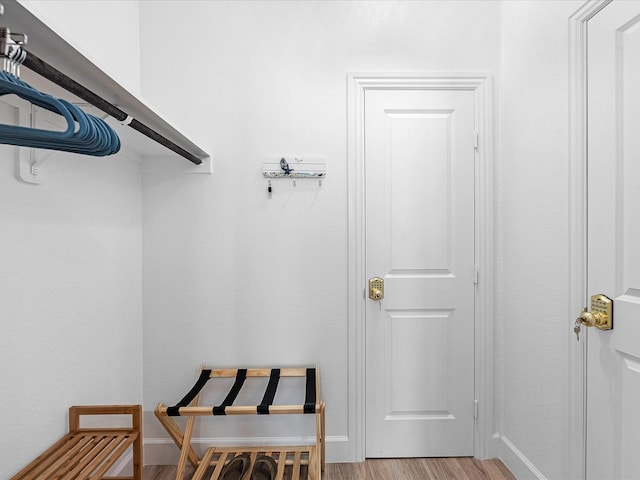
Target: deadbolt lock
column 601, row 314
column 376, row 288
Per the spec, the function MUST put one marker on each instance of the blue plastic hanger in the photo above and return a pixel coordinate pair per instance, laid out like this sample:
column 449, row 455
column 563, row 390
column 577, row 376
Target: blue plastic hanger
column 84, row 133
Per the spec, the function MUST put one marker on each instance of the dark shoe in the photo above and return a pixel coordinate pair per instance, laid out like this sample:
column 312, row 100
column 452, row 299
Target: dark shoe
column 265, row 468
column 237, row 468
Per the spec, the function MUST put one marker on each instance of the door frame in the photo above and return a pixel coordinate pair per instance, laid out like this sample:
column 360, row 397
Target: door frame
column 481, row 85
column 577, row 247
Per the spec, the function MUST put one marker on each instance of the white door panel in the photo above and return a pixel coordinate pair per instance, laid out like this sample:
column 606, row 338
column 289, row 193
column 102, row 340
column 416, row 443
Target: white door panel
column 419, row 173
column 613, row 357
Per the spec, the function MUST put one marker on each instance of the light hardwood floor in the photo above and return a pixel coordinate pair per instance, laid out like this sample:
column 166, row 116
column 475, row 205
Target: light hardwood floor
column 462, row 468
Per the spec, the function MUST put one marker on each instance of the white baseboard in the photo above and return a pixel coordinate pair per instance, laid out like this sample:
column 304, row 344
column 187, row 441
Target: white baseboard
column 338, row 449
column 163, row 451
column 514, row 459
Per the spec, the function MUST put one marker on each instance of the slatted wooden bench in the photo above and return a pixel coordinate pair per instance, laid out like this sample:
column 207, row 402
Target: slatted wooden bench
column 89, row 453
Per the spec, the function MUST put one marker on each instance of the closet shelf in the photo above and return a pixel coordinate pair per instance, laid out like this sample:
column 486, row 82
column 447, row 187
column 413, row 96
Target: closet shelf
column 49, row 46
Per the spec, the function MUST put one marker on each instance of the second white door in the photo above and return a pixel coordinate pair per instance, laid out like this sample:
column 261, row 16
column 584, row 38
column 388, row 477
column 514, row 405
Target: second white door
column 613, row 356
column 419, row 188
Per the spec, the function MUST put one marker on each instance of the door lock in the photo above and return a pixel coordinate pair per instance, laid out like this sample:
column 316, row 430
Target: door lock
column 376, row 288
column 601, row 314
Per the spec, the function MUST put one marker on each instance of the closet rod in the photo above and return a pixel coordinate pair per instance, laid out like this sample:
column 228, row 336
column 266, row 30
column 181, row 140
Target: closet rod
column 50, row 73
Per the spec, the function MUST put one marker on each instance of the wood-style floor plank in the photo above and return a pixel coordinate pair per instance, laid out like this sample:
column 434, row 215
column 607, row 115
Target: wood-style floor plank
column 457, row 468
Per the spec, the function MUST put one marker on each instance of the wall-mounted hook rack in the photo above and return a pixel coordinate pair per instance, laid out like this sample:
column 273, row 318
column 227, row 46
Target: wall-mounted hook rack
column 295, row 167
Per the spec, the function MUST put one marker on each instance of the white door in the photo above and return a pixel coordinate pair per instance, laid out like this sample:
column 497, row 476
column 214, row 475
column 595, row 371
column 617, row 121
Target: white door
column 419, row 174
column 613, row 357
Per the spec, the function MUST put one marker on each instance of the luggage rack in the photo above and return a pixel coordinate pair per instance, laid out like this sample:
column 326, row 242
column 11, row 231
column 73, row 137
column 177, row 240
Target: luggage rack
column 294, row 458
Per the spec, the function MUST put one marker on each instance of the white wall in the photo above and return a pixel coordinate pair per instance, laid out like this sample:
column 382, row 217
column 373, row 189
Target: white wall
column 70, row 296
column 107, row 32
column 534, row 331
column 71, row 280
column 231, row 277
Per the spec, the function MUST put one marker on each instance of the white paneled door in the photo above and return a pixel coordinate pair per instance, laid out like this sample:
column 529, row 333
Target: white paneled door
column 613, row 357
column 420, row 176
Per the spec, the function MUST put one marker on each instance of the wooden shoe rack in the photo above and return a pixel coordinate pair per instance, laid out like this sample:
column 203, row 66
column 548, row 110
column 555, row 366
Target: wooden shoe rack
column 292, row 461
column 89, row 453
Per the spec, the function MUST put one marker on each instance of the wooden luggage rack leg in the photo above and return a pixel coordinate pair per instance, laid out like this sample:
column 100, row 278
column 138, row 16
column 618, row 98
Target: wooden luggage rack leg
column 320, row 440
column 182, row 441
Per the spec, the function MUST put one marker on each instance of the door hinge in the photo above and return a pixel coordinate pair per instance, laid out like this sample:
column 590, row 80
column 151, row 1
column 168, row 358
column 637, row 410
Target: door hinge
column 476, row 141
column 476, row 274
column 475, row 409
